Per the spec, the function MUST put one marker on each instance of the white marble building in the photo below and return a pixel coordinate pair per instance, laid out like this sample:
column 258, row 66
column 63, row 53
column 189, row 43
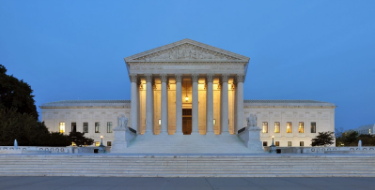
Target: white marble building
column 190, row 88
column 364, row 129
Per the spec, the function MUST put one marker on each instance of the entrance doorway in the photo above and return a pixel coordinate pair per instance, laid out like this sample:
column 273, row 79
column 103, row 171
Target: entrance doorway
column 186, row 121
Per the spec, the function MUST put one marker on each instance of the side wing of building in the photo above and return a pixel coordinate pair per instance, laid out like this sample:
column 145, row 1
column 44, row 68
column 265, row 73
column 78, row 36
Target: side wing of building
column 291, row 122
column 94, row 117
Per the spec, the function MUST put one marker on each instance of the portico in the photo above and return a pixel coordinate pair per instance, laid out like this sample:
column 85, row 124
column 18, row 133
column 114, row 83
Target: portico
column 187, row 83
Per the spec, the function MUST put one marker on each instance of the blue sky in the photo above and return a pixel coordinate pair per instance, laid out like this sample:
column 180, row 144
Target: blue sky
column 319, row 50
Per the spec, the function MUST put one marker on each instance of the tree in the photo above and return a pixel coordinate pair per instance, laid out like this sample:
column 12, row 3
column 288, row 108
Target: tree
column 323, row 139
column 19, row 117
column 79, row 139
column 27, row 130
column 16, row 94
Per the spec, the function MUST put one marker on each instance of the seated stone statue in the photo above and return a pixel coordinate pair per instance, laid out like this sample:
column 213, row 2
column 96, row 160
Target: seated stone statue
column 122, row 122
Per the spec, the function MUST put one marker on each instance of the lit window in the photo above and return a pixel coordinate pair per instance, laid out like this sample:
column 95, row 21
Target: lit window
column 97, row 125
column 277, row 143
column 62, row 127
column 97, row 143
column 313, row 127
column 74, row 144
column 73, row 127
column 109, row 143
column 109, row 127
column 265, row 127
column 277, row 127
column 301, row 143
column 264, row 143
column 289, row 127
column 301, row 127
column 289, row 143
column 85, row 127
column 369, row 131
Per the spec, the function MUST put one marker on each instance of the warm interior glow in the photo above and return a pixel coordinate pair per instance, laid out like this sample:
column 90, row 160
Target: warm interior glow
column 101, row 136
column 62, row 127
column 301, row 127
column 288, row 127
column 214, row 122
column 186, row 99
column 159, row 121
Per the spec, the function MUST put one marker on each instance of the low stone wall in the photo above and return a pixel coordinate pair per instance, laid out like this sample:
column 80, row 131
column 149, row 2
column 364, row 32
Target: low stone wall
column 35, row 149
column 325, row 150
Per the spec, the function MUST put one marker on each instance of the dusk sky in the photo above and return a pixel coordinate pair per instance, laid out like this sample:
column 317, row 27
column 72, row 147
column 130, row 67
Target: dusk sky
column 318, row 50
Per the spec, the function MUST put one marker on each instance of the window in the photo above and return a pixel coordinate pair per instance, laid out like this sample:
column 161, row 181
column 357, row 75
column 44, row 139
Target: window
column 277, row 143
column 313, row 127
column 301, row 127
column 97, row 125
column 109, row 143
column 277, row 127
column 265, row 127
column 97, row 143
column 289, row 127
column 73, row 127
column 62, row 127
column 85, row 127
column 264, row 143
column 109, row 127
column 369, row 131
column 74, row 144
column 289, row 143
column 301, row 143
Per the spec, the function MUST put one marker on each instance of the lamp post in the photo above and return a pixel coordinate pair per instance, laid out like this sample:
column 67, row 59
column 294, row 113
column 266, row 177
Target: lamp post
column 101, row 146
column 273, row 147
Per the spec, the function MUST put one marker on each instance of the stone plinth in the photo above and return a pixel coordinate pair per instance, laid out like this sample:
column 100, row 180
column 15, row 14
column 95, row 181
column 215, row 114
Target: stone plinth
column 119, row 144
column 254, row 143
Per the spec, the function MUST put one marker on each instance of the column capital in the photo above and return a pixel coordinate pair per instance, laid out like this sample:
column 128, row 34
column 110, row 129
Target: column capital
column 133, row 78
column 163, row 77
column 224, row 77
column 240, row 77
column 178, row 77
column 209, row 77
column 195, row 77
column 148, row 77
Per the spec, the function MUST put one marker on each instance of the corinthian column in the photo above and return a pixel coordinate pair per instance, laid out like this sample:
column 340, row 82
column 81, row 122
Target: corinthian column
column 239, row 103
column 224, row 103
column 178, row 105
column 134, row 102
column 164, row 104
column 195, row 129
column 149, row 106
column 210, row 105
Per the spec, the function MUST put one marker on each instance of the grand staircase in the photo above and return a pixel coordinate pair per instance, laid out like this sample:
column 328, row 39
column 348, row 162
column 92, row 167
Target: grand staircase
column 188, row 165
column 187, row 144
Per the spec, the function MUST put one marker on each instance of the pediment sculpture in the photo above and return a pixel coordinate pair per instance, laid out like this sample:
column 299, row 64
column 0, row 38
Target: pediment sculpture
column 187, row 51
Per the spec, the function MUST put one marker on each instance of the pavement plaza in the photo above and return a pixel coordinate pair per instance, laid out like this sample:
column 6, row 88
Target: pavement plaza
column 113, row 183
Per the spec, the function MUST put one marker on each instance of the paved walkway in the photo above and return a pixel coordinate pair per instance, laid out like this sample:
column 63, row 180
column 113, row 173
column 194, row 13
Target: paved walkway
column 113, row 183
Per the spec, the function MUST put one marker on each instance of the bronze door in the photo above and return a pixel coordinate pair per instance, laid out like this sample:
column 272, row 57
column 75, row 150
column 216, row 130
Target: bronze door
column 186, row 125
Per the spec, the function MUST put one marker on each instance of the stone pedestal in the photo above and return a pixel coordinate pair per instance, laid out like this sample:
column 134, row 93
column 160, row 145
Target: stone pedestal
column 119, row 144
column 254, row 143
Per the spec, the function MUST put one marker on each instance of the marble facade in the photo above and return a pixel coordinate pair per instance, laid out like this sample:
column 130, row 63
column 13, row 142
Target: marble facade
column 191, row 88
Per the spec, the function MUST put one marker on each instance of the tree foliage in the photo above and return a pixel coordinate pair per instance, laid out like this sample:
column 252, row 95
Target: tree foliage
column 27, row 130
column 80, row 139
column 351, row 138
column 19, row 117
column 16, row 94
column 323, row 139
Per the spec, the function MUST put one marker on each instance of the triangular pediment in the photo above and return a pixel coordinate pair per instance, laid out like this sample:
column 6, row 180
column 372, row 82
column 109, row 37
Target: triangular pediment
column 186, row 50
